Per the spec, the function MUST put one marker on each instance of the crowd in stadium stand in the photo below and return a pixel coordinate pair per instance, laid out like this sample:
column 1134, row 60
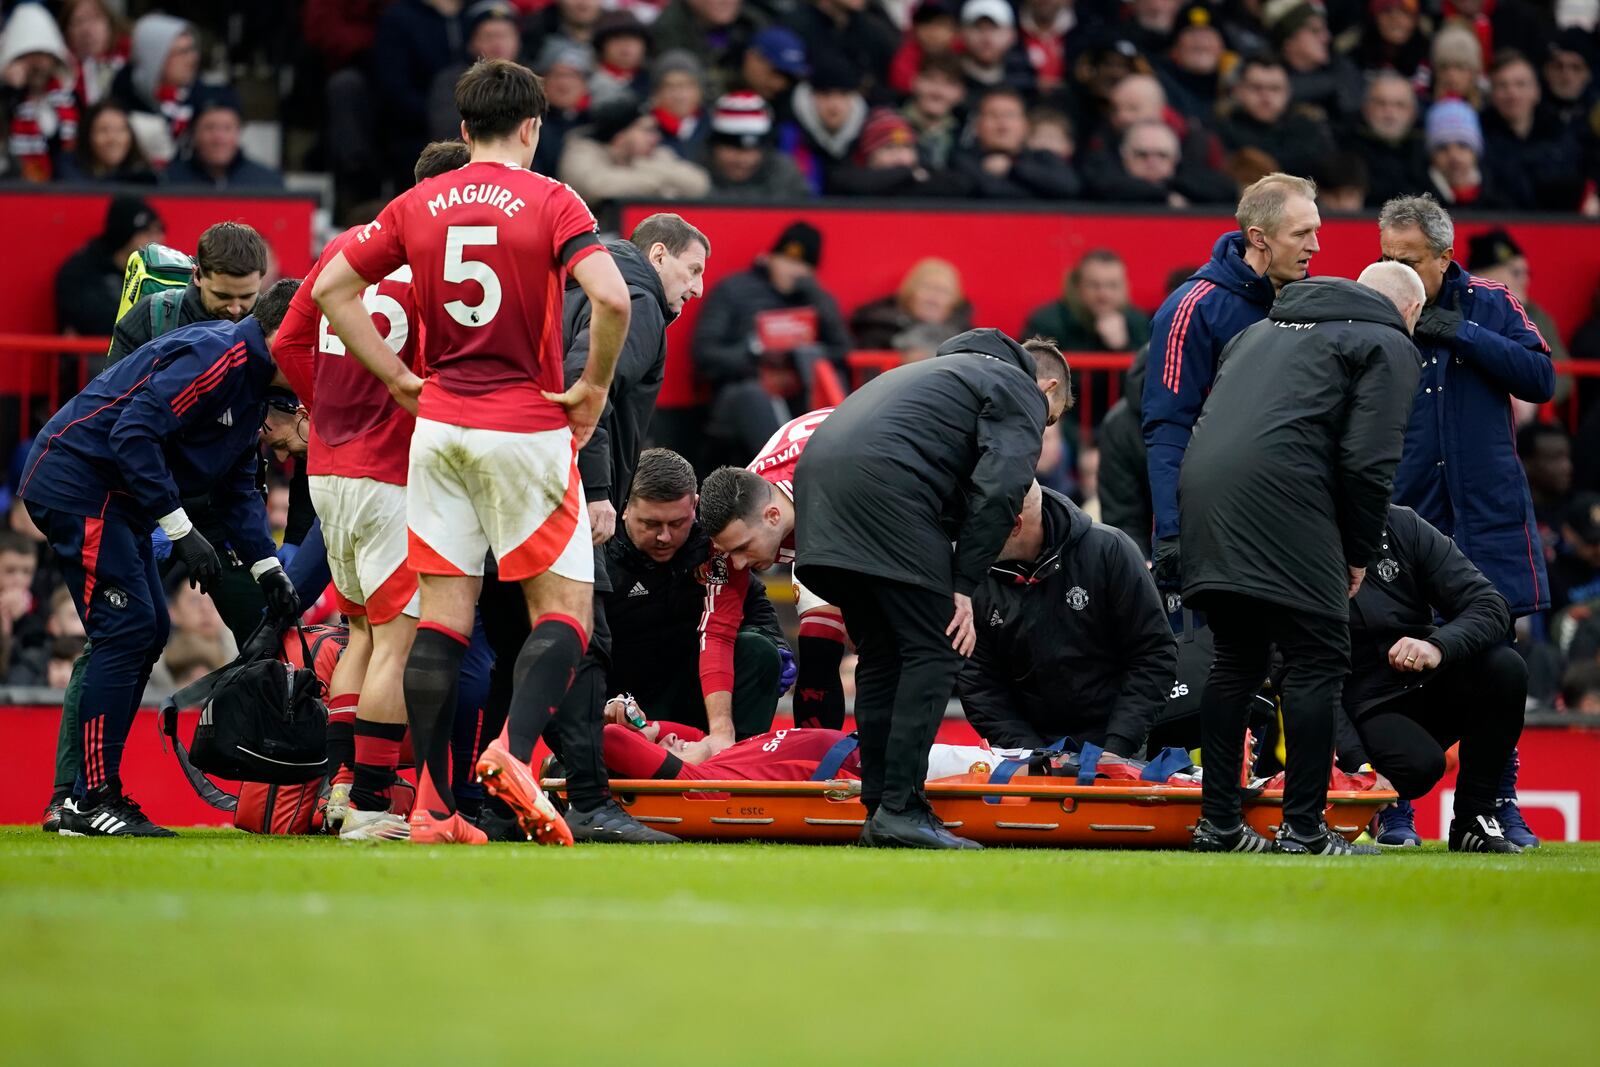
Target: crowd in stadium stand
column 1490, row 104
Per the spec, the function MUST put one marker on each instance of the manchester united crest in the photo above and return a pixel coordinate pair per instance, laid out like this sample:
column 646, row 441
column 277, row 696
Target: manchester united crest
column 713, row 571
column 1077, row 598
column 1388, row 569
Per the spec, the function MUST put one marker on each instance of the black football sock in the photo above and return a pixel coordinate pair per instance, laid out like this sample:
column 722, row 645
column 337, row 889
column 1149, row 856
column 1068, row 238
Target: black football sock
column 432, row 676
column 818, row 692
column 377, row 755
column 545, row 668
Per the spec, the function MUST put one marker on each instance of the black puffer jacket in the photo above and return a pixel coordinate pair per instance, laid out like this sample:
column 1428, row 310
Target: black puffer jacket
column 926, row 455
column 1417, row 575
column 1074, row 643
column 607, row 462
column 653, row 610
column 1286, row 482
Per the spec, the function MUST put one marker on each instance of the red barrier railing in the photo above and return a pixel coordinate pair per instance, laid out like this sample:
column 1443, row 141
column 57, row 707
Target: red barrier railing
column 1087, row 366
column 29, row 358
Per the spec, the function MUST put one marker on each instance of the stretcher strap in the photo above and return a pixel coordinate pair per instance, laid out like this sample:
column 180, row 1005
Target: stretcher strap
column 1168, row 761
column 834, row 758
column 1088, row 762
column 1006, row 771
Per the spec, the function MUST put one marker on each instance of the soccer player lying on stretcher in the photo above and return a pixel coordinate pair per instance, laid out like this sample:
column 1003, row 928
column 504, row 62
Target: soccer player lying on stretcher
column 666, row 750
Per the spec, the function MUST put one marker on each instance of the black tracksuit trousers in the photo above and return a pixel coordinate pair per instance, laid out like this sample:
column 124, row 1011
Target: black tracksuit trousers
column 1478, row 702
column 905, row 673
column 1316, row 653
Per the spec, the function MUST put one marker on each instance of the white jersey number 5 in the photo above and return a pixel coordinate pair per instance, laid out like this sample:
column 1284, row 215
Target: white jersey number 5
column 458, row 268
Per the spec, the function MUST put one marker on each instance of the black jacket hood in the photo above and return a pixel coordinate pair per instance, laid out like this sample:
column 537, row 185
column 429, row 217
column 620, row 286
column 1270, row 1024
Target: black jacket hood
column 1065, row 523
column 990, row 342
column 637, row 272
column 1332, row 299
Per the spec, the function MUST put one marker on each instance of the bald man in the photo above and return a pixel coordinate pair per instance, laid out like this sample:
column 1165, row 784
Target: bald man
column 1197, row 177
column 1282, row 499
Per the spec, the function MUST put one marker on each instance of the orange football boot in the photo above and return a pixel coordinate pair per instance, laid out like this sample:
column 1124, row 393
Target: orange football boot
column 428, row 829
column 510, row 779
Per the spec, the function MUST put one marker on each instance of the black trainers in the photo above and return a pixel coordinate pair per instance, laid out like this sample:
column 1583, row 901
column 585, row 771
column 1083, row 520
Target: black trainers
column 1480, row 833
column 610, row 824
column 52, row 816
column 917, row 828
column 1322, row 843
column 108, row 815
column 498, row 823
column 1208, row 837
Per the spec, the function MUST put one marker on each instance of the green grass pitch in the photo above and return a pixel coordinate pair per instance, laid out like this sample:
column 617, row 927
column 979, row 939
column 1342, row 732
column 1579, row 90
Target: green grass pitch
column 219, row 948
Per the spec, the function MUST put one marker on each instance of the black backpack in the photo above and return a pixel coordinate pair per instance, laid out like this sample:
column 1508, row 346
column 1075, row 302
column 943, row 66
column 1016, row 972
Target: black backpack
column 261, row 720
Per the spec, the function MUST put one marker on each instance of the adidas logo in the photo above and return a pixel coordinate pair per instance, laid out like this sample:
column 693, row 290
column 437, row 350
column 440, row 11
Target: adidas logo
column 638, row 590
column 107, row 823
column 227, row 418
column 995, row 619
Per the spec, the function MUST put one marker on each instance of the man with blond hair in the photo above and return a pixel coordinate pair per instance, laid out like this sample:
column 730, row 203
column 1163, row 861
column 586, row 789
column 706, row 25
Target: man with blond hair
column 1276, row 238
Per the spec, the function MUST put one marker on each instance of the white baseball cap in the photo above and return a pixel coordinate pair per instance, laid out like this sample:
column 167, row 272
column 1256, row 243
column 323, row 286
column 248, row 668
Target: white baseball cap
column 997, row 11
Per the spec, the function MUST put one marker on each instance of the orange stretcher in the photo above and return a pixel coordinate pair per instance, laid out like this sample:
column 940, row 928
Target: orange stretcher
column 1042, row 812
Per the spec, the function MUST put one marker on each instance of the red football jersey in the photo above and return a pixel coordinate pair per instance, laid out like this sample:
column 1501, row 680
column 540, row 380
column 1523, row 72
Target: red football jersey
column 485, row 246
column 778, row 756
column 777, row 458
column 360, row 432
column 724, row 609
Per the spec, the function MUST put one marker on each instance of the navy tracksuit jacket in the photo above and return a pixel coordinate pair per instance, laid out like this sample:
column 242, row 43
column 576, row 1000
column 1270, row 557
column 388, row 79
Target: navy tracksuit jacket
column 175, row 418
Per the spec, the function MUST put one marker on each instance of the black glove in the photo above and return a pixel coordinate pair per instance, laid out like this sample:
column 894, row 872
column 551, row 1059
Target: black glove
column 1168, row 569
column 200, row 559
column 283, row 604
column 1439, row 326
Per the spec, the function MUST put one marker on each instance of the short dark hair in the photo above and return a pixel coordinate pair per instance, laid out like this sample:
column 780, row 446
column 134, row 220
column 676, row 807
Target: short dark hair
column 1001, row 92
column 17, row 542
column 1044, row 115
column 1580, row 680
column 662, row 476
column 231, row 248
column 495, row 96
column 1264, row 60
column 668, row 229
column 1050, row 363
column 730, row 493
column 274, row 303
column 1510, row 57
column 945, row 63
column 1528, row 437
column 440, row 157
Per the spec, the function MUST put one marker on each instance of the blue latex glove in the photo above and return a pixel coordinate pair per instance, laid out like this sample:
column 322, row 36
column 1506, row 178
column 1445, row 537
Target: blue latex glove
column 161, row 545
column 788, row 671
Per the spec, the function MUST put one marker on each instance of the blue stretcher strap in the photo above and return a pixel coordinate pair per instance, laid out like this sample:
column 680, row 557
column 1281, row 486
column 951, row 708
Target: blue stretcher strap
column 834, row 758
column 1088, row 762
column 1006, row 771
column 1168, row 761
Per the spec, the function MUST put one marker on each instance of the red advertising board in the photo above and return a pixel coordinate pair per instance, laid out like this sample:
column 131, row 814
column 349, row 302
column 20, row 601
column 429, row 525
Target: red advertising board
column 1012, row 260
column 1560, row 790
column 43, row 228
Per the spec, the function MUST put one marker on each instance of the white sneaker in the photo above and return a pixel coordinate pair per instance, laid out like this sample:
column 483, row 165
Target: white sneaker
column 374, row 826
column 337, row 808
